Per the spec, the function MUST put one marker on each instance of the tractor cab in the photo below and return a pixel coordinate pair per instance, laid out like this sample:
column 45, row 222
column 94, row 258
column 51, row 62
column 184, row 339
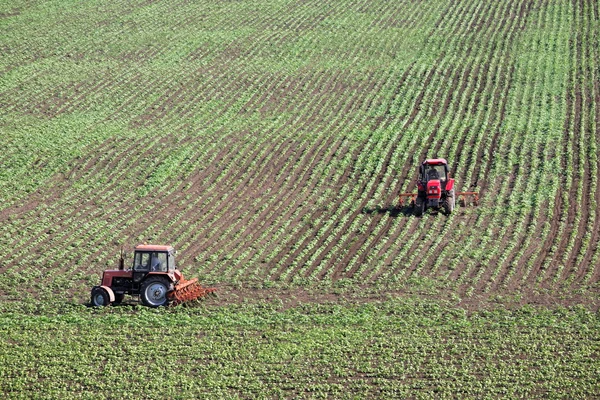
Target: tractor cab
column 152, row 259
column 434, row 169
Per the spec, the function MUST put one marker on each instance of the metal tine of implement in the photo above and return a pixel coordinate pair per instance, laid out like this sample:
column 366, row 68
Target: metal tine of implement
column 191, row 290
column 464, row 195
column 401, row 197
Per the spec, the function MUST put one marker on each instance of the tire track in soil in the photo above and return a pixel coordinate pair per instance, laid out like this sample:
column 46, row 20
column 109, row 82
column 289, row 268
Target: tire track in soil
column 392, row 195
column 480, row 77
column 581, row 134
column 277, row 274
column 557, row 214
column 311, row 118
column 590, row 98
column 318, row 157
column 482, row 285
column 595, row 277
column 384, row 120
column 413, row 229
column 354, row 214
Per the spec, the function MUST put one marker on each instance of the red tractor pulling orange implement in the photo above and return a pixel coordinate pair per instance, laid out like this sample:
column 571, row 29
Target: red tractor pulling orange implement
column 435, row 189
column 153, row 277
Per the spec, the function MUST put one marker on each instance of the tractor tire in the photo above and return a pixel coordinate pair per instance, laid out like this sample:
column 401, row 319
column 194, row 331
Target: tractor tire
column 419, row 206
column 100, row 297
column 153, row 291
column 119, row 298
column 449, row 203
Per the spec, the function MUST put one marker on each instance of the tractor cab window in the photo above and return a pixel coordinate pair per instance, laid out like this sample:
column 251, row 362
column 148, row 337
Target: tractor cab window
column 171, row 261
column 150, row 261
column 141, row 262
column 435, row 172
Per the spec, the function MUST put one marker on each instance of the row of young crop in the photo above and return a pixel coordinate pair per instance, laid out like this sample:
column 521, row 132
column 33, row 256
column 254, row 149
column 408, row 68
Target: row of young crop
column 309, row 350
column 345, row 228
column 440, row 232
column 527, row 220
column 586, row 145
column 495, row 258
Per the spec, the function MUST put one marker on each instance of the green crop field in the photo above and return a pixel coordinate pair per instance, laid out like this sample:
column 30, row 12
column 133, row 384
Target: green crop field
column 267, row 141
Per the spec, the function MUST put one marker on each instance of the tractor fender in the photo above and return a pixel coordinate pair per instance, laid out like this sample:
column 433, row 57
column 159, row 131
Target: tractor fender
column 450, row 185
column 111, row 294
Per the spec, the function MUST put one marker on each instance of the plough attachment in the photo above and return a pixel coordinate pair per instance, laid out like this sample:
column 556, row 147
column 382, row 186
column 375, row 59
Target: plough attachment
column 188, row 291
column 408, row 199
column 402, row 197
column 464, row 196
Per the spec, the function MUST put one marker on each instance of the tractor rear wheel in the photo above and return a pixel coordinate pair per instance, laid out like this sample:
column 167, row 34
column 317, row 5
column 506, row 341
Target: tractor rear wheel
column 419, row 206
column 449, row 203
column 100, row 297
column 153, row 292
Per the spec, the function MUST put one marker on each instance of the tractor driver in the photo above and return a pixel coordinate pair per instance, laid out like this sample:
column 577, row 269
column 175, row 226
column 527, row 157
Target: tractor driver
column 436, row 172
column 433, row 174
column 158, row 262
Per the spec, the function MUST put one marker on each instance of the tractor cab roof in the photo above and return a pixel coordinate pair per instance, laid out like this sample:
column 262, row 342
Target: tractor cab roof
column 153, row 247
column 435, row 161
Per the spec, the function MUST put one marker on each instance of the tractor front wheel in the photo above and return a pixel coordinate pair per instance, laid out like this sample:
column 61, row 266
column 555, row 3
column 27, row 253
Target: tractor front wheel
column 154, row 292
column 100, row 297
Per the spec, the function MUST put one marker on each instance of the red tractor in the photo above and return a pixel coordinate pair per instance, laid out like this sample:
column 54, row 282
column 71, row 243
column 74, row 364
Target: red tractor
column 435, row 188
column 153, row 277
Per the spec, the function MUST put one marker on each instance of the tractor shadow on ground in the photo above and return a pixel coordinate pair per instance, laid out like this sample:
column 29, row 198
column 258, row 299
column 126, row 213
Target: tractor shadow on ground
column 392, row 211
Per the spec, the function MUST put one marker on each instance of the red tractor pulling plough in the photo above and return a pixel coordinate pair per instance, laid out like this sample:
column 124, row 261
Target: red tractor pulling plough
column 435, row 189
column 153, row 277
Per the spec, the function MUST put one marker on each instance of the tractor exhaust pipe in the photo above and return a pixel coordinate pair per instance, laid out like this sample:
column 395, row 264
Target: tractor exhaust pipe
column 122, row 260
